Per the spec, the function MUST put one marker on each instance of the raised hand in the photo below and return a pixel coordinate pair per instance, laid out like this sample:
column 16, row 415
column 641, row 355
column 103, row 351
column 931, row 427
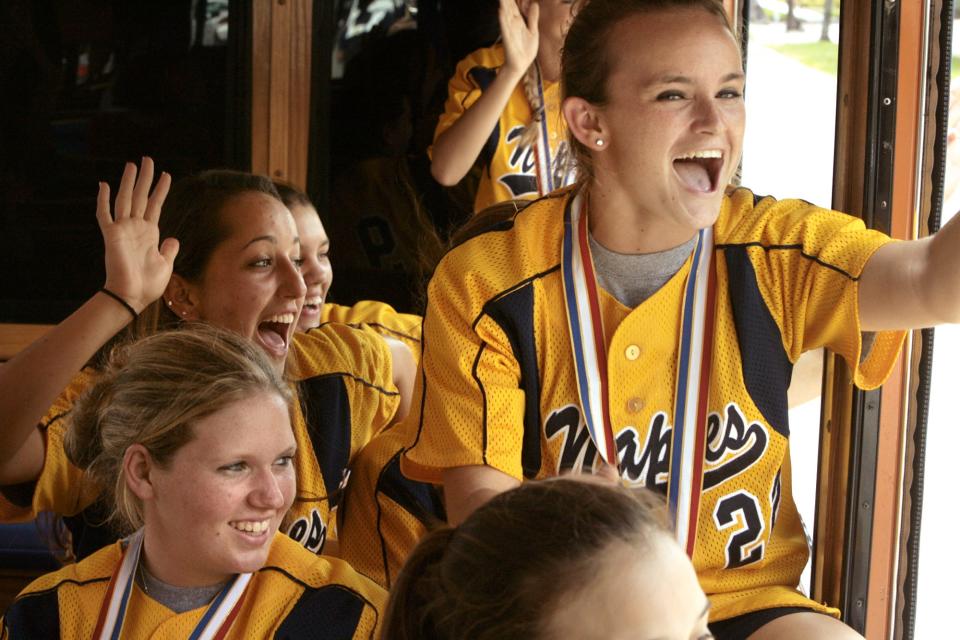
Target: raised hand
column 137, row 268
column 520, row 36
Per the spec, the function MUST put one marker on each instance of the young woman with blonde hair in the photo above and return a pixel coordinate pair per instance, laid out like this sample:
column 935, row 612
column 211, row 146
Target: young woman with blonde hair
column 187, row 435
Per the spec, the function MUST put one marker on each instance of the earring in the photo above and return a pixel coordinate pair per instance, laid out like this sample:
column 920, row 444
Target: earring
column 600, row 142
column 170, row 303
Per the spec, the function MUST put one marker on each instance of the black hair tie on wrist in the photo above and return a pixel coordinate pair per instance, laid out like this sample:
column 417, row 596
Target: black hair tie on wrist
column 126, row 305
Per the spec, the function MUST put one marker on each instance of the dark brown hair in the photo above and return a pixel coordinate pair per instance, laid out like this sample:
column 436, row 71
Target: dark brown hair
column 586, row 62
column 291, row 196
column 506, row 567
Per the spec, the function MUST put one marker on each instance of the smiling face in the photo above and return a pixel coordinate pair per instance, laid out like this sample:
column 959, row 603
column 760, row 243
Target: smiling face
column 316, row 269
column 634, row 594
column 252, row 284
column 673, row 120
column 216, row 506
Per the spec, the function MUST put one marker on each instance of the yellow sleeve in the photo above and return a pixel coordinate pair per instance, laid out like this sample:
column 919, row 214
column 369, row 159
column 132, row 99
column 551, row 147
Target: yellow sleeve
column 380, row 317
column 462, row 90
column 364, row 363
column 468, row 403
column 808, row 262
column 61, row 486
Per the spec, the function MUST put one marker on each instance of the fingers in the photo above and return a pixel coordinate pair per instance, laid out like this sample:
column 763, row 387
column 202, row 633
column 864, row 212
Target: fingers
column 169, row 249
column 155, row 203
column 509, row 8
column 103, row 205
column 142, row 188
column 533, row 18
column 121, row 208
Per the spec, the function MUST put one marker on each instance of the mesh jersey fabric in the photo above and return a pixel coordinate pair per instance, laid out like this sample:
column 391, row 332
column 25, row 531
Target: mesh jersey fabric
column 384, row 514
column 294, row 586
column 382, row 318
column 497, row 384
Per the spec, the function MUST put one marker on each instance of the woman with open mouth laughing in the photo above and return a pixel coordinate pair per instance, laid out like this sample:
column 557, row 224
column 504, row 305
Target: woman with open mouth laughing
column 226, row 252
column 645, row 322
column 187, row 434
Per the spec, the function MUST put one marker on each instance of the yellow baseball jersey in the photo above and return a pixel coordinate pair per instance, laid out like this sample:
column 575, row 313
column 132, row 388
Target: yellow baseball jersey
column 383, row 514
column 498, row 385
column 509, row 170
column 380, row 317
column 295, row 595
column 343, row 380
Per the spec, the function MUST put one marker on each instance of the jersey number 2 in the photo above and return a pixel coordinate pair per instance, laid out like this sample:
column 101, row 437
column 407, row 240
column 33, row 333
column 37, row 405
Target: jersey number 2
column 745, row 545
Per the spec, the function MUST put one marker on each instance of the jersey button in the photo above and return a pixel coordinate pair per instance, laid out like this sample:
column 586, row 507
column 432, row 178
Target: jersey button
column 634, row 405
column 632, row 352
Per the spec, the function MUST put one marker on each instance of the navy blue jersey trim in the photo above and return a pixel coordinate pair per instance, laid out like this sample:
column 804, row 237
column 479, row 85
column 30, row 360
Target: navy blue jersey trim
column 483, row 393
column 347, row 374
column 789, row 247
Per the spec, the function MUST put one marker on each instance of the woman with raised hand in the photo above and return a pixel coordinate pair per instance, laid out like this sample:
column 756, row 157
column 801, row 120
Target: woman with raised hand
column 238, row 267
column 560, row 558
column 647, row 320
column 503, row 108
column 187, row 436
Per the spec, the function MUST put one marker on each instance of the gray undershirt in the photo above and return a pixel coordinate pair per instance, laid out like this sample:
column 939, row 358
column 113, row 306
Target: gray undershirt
column 178, row 599
column 631, row 278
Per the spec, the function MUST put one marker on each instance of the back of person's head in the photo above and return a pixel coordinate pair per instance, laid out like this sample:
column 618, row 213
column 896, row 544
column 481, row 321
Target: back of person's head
column 150, row 393
column 586, row 62
column 509, row 566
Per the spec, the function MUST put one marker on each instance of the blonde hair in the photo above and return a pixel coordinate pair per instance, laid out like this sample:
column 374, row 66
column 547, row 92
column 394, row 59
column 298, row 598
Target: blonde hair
column 531, row 90
column 151, row 392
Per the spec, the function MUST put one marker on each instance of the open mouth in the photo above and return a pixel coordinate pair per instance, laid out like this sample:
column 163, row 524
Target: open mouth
column 312, row 305
column 700, row 170
column 273, row 332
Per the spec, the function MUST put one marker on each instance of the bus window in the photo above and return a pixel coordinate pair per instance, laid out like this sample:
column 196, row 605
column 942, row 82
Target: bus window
column 88, row 86
column 787, row 153
column 937, row 567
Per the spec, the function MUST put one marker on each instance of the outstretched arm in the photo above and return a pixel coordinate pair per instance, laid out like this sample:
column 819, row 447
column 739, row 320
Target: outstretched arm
column 137, row 272
column 457, row 148
column 915, row 284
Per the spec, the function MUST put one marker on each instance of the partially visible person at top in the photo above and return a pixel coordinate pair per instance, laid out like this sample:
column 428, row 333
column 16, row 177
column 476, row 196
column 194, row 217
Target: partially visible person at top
column 317, row 272
column 560, row 558
column 647, row 320
column 503, row 109
column 225, row 251
column 187, row 434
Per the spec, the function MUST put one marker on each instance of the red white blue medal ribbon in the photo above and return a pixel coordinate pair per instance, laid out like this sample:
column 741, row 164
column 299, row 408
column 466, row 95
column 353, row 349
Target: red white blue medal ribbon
column 546, row 175
column 687, row 451
column 214, row 624
column 586, row 330
column 695, row 349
